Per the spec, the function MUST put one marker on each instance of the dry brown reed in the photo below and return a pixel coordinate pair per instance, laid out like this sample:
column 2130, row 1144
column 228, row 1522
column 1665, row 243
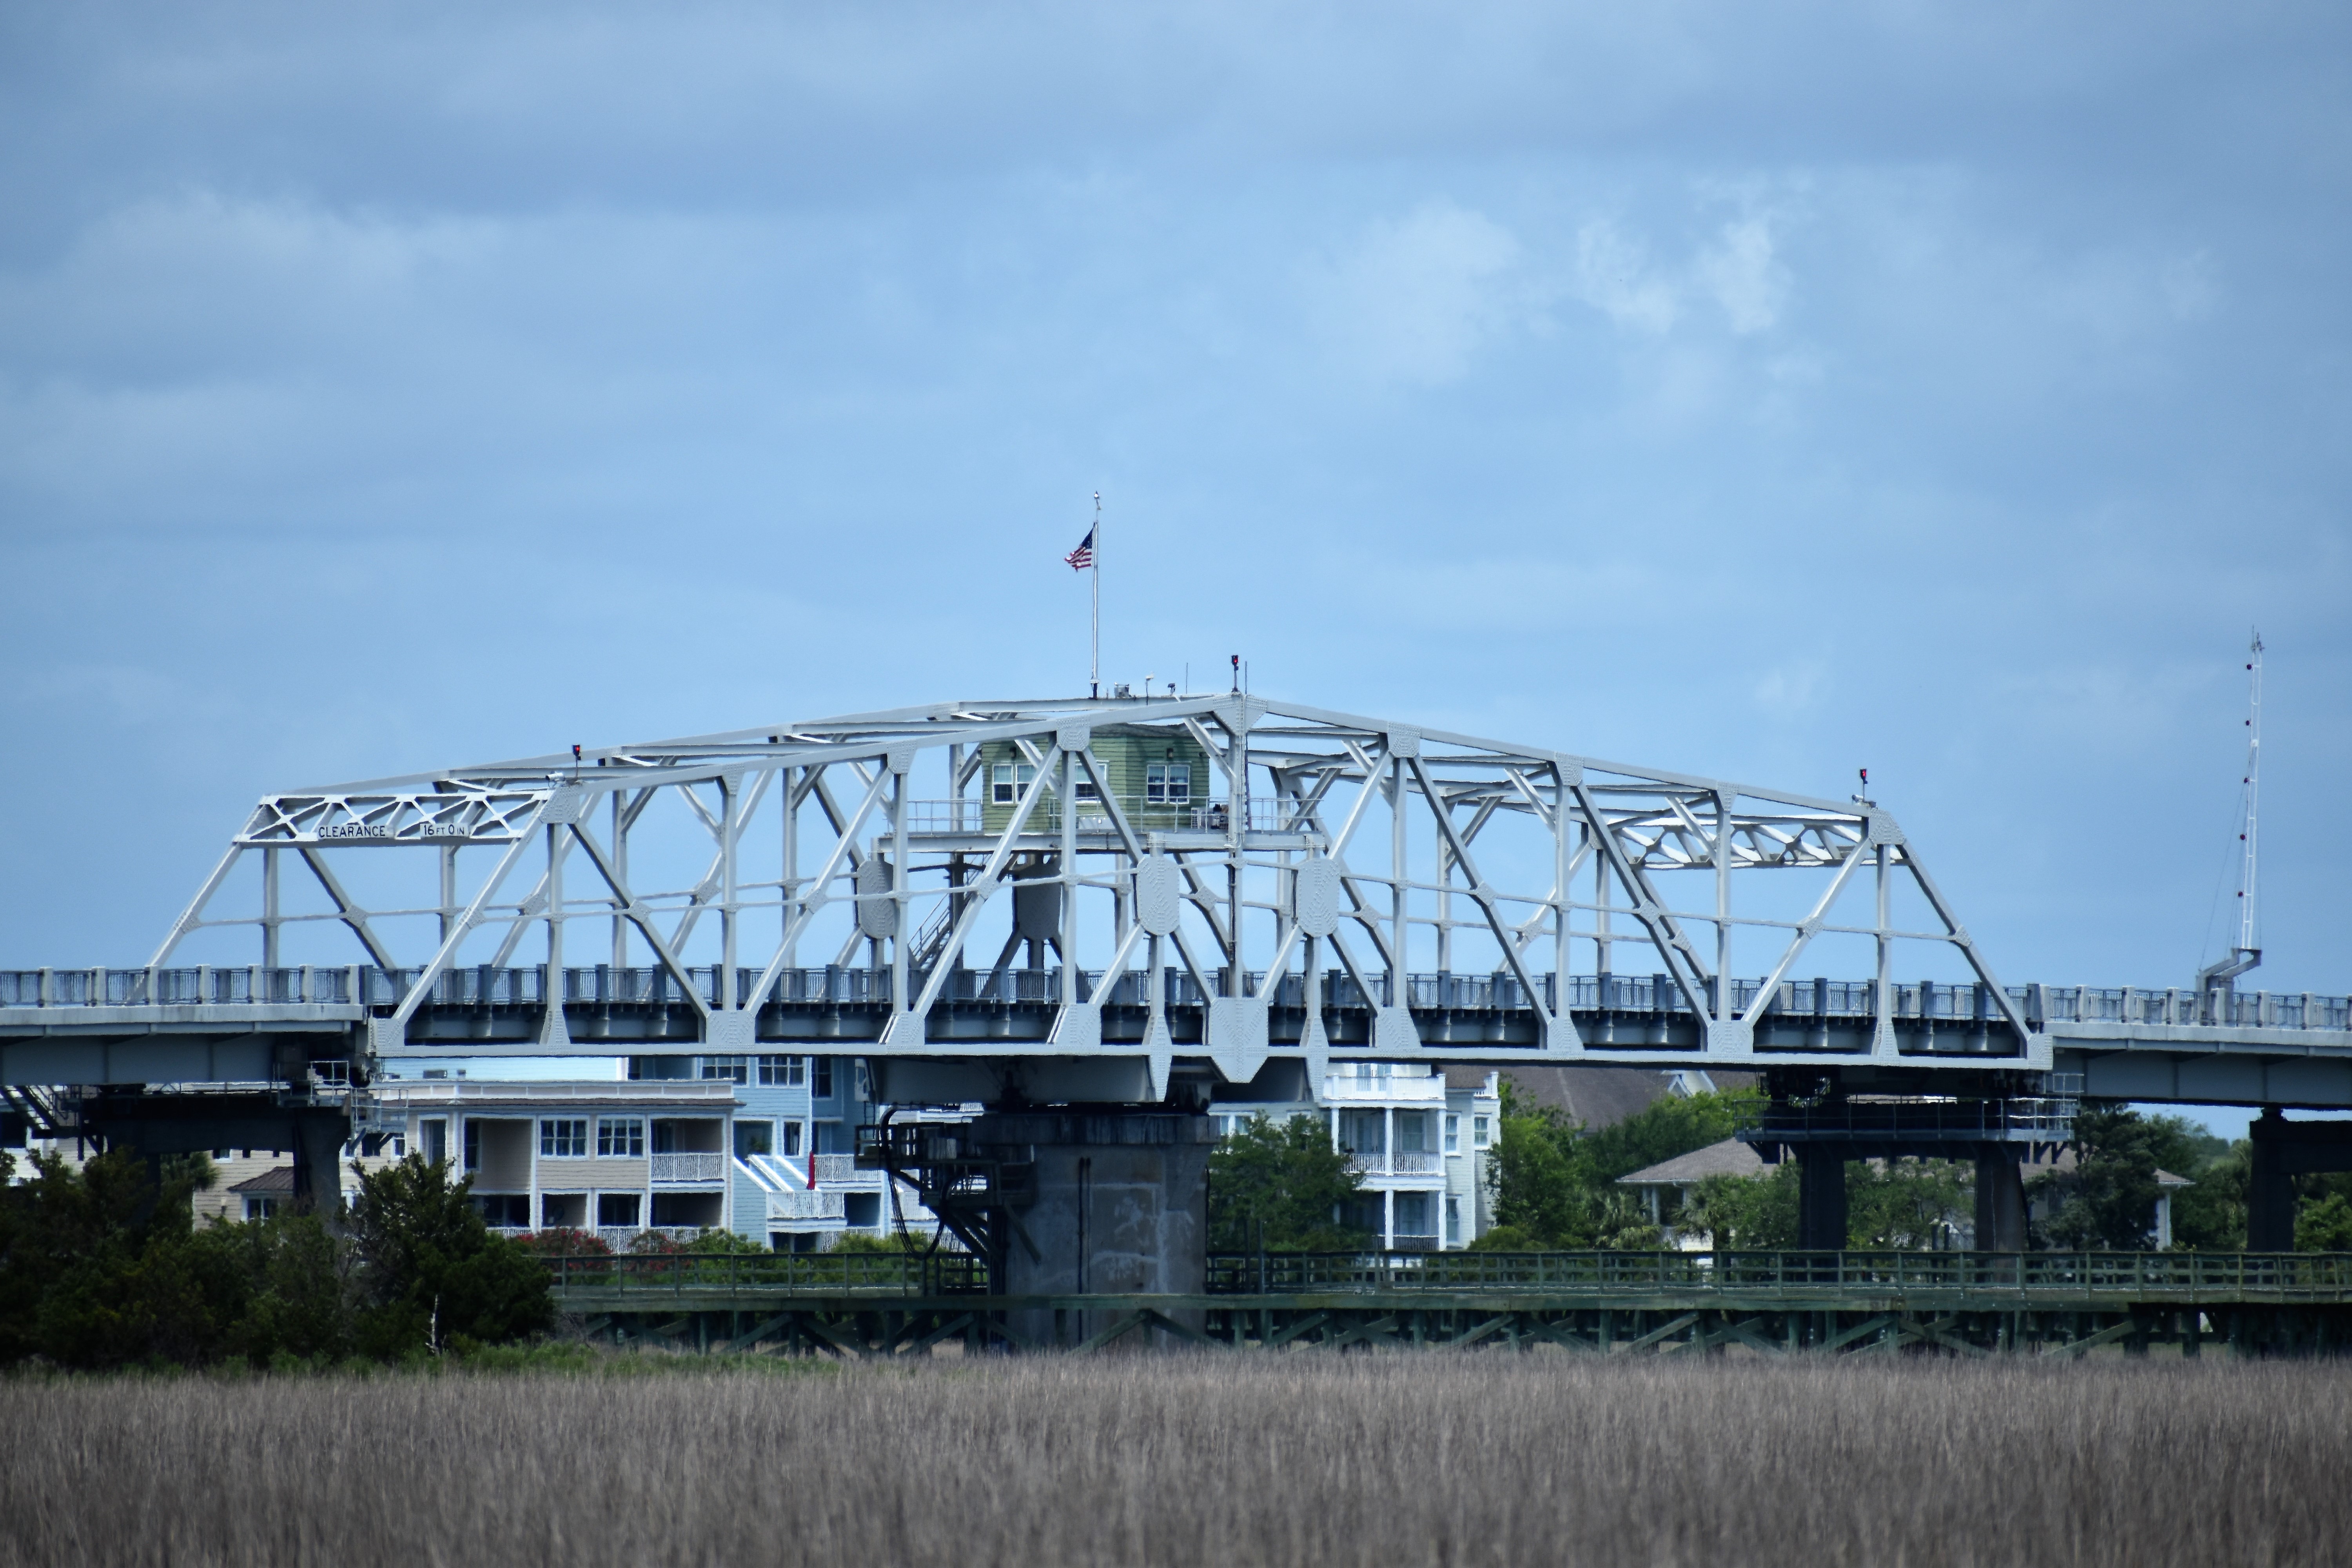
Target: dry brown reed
column 1304, row 1459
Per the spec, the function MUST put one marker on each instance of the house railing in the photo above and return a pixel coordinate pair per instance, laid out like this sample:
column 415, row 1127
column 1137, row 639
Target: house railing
column 689, row 1167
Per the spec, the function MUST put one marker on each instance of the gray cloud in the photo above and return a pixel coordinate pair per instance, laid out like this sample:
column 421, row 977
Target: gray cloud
column 1766, row 391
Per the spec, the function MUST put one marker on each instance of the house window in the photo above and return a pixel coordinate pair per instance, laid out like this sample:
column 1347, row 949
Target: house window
column 791, row 1139
column 507, row 1211
column 727, row 1069
column 260, row 1209
column 564, row 1139
column 1454, row 1222
column 473, row 1145
column 433, row 1139
column 1007, row 781
column 820, row 1078
column 1452, row 1134
column 621, row 1137
column 1477, row 1133
column 754, row 1138
column 1168, row 783
column 617, row 1210
column 782, row 1072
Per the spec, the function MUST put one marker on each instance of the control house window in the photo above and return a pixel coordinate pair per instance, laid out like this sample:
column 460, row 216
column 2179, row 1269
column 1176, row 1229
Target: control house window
column 1007, row 781
column 1168, row 783
column 620, row 1137
column 563, row 1140
column 783, row 1073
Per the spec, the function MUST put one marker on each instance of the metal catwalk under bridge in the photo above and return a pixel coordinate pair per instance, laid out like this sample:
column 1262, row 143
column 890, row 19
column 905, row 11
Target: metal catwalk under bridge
column 1956, row 1303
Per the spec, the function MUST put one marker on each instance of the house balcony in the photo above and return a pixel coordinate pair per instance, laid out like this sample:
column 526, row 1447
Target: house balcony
column 805, row 1206
column 1398, row 1162
column 840, row 1172
column 694, row 1167
column 1346, row 1089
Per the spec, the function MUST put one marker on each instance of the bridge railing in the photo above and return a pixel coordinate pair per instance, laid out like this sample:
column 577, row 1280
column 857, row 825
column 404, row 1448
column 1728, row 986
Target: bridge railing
column 2157, row 1273
column 2057, row 1275
column 866, row 1273
column 481, row 985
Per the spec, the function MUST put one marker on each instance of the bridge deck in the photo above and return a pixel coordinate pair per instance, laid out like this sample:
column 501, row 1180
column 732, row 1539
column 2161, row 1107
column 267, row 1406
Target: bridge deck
column 203, row 1024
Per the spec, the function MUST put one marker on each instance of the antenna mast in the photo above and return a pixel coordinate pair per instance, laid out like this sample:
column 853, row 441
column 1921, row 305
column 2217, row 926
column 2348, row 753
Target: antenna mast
column 2246, row 944
column 2216, row 977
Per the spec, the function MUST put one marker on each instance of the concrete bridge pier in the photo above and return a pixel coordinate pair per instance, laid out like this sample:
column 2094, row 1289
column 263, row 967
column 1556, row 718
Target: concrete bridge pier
column 2001, row 1199
column 2283, row 1149
column 1820, row 1197
column 1120, row 1206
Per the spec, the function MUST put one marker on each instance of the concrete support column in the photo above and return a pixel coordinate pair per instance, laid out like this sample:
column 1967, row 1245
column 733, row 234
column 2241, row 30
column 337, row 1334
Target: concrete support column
column 318, row 1163
column 2270, row 1191
column 1121, row 1208
column 1820, row 1197
column 2000, row 1200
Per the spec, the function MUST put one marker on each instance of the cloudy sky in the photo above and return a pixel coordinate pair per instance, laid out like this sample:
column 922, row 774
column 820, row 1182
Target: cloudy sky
column 1763, row 391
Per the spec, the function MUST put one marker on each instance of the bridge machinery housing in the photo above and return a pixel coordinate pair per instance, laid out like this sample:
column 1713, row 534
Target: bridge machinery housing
column 1097, row 917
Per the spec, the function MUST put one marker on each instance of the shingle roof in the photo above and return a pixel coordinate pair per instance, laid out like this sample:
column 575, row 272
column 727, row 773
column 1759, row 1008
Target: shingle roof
column 1728, row 1158
column 276, row 1178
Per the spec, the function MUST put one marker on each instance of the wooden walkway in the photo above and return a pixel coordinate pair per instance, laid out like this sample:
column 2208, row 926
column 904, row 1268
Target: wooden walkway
column 1607, row 1303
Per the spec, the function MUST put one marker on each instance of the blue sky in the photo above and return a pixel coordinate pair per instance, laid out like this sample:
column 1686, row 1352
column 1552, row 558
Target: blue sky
column 1763, row 391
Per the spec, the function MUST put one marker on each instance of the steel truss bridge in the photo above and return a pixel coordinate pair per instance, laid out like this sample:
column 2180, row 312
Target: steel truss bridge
column 1345, row 885
column 864, row 1306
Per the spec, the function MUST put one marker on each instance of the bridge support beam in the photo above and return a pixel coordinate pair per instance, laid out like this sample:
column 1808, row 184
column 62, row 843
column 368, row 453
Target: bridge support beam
column 2001, row 1199
column 1121, row 1206
column 1820, row 1197
column 2283, row 1149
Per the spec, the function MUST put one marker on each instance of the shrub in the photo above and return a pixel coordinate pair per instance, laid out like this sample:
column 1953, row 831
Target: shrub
column 432, row 1271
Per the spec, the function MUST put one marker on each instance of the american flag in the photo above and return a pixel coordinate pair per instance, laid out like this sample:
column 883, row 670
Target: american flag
column 1084, row 556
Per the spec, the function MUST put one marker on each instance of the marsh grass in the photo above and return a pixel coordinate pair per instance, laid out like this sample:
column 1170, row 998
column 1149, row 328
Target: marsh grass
column 1304, row 1460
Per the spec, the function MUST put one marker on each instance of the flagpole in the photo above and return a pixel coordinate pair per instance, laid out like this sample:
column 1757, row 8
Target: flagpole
column 1094, row 640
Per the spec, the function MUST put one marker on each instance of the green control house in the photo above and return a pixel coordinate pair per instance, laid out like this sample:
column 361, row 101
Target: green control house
column 1158, row 776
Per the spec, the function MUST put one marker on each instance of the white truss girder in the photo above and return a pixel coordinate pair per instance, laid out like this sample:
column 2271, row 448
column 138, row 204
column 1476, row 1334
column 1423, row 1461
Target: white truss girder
column 1285, row 873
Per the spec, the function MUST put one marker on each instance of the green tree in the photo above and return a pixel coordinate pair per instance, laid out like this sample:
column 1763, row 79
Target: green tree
column 2210, row 1216
column 1282, row 1186
column 1543, row 1189
column 295, row 1277
column 1554, row 1182
column 99, row 1267
column 2325, row 1224
column 2107, row 1202
column 1748, row 1214
column 431, row 1272
column 1904, row 1205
